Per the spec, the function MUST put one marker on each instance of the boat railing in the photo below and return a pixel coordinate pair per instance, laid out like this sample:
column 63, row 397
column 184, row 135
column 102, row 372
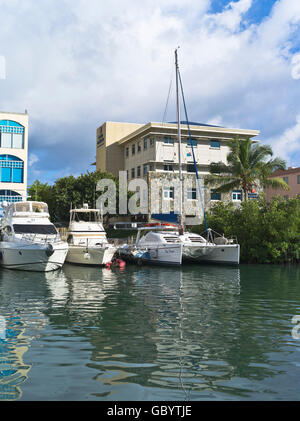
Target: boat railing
column 37, row 238
column 219, row 239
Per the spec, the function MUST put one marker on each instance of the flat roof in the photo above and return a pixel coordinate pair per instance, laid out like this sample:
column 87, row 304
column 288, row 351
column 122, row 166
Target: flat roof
column 196, row 128
column 11, row 112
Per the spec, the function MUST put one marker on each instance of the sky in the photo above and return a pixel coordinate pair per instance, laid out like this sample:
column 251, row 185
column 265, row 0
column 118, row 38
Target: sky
column 75, row 64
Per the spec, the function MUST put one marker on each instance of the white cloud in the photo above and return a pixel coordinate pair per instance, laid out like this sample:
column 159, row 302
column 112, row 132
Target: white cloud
column 296, row 66
column 231, row 16
column 287, row 143
column 76, row 64
column 32, row 159
column 2, row 68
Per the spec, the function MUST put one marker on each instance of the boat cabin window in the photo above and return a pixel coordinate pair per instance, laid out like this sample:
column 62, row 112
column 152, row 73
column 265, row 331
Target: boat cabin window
column 86, row 216
column 34, row 229
column 39, row 207
column 22, row 207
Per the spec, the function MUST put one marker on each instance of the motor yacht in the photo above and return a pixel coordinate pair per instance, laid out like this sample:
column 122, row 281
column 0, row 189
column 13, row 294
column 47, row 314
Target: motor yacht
column 86, row 237
column 28, row 240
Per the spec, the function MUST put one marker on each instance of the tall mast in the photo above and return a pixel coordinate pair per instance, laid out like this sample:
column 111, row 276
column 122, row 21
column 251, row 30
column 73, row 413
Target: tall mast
column 180, row 219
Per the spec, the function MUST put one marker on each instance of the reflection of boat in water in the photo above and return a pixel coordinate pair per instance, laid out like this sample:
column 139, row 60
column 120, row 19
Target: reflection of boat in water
column 87, row 240
column 29, row 241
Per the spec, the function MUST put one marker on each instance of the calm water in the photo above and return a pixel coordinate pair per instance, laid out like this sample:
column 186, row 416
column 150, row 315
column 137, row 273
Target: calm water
column 150, row 334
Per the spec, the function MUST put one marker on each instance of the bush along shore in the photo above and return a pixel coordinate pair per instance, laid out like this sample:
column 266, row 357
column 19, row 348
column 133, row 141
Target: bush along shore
column 268, row 232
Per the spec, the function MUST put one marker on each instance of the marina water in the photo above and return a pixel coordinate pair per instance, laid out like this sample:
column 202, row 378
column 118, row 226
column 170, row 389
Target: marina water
column 197, row 332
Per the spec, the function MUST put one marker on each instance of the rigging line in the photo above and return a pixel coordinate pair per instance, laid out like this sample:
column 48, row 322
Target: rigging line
column 168, row 97
column 194, row 159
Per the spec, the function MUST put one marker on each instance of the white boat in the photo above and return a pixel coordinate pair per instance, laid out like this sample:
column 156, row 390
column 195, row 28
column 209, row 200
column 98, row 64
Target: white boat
column 88, row 244
column 195, row 247
column 155, row 246
column 214, row 249
column 29, row 241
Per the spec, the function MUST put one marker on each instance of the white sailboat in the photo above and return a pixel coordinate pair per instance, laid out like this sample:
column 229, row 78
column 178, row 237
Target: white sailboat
column 88, row 244
column 29, row 241
column 214, row 248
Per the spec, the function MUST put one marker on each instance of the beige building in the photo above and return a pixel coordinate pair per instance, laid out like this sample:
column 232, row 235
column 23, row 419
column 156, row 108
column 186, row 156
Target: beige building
column 292, row 177
column 13, row 156
column 150, row 151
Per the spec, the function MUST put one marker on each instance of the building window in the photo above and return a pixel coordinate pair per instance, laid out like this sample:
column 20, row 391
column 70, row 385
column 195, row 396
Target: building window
column 214, row 195
column 133, row 150
column 192, row 194
column 298, row 179
column 139, row 148
column 168, row 167
column 11, row 169
column 145, row 169
column 192, row 142
column 168, row 193
column 11, row 134
column 151, row 167
column 145, row 143
column 132, row 172
column 286, row 180
column 138, row 171
column 191, row 168
column 168, row 140
column 127, row 152
column 237, row 195
column 10, row 196
column 215, row 144
column 151, row 142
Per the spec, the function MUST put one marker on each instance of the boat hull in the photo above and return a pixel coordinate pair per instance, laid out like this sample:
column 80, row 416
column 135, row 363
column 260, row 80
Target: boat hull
column 164, row 254
column 32, row 257
column 93, row 256
column 222, row 254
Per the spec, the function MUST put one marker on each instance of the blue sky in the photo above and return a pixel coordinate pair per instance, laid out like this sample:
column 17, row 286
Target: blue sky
column 75, row 64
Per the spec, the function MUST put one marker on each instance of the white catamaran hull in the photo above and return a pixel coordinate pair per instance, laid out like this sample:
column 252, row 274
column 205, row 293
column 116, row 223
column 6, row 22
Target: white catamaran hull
column 32, row 257
column 93, row 255
column 163, row 254
column 224, row 254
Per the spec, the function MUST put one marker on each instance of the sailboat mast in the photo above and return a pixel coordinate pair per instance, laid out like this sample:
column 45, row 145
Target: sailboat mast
column 180, row 221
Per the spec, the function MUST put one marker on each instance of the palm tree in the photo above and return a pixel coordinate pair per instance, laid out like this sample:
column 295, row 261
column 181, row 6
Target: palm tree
column 247, row 167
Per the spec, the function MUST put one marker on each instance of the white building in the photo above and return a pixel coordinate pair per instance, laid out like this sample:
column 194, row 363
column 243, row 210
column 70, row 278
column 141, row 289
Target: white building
column 150, row 151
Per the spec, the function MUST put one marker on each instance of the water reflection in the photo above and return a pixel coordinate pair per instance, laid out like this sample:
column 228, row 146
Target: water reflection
column 20, row 301
column 190, row 333
column 150, row 326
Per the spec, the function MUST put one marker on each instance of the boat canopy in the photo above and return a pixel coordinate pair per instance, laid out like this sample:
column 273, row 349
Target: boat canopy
column 28, row 207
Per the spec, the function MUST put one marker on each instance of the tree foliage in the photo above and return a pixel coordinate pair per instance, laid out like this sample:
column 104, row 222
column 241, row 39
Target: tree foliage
column 69, row 192
column 248, row 165
column 268, row 232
